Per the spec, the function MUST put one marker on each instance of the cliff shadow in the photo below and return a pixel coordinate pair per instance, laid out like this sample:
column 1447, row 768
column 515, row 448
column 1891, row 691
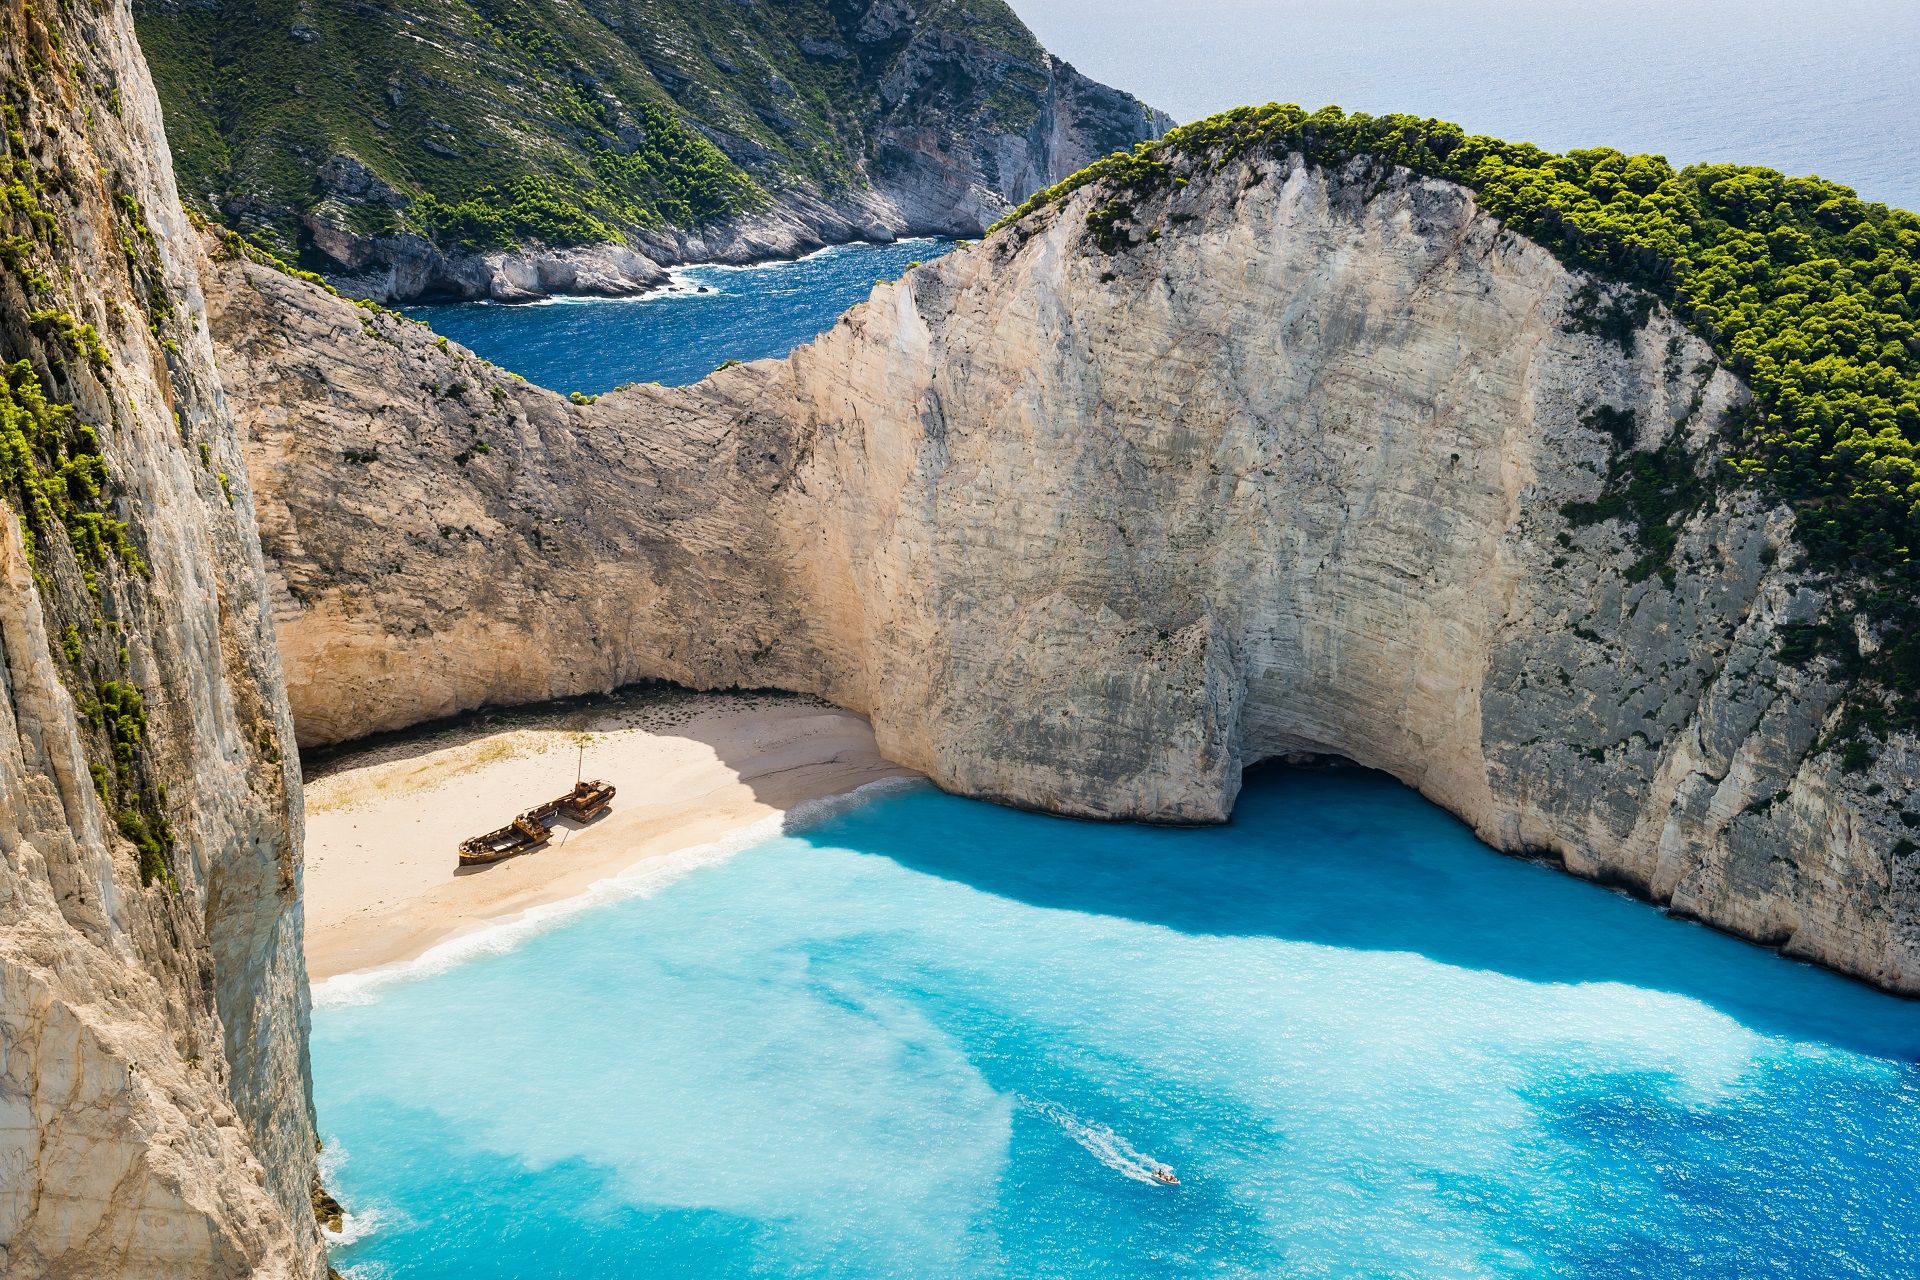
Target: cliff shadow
column 430, row 736
column 1341, row 857
column 1350, row 858
column 784, row 749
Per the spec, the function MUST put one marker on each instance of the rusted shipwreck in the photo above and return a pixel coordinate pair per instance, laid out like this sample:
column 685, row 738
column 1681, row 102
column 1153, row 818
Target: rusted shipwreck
column 534, row 828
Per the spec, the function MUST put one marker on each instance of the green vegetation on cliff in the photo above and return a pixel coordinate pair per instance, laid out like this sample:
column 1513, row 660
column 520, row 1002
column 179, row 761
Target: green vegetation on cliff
column 52, row 473
column 1808, row 292
column 55, row 476
column 503, row 119
column 492, row 123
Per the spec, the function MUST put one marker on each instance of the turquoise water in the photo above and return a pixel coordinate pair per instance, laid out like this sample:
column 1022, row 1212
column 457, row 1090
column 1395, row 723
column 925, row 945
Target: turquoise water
column 935, row 1038
column 677, row 337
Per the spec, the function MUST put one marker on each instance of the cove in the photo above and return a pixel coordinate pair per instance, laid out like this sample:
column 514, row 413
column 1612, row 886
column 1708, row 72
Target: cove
column 678, row 335
column 934, row 1037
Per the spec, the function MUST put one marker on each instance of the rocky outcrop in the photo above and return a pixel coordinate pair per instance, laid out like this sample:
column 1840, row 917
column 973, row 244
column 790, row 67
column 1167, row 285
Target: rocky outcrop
column 707, row 130
column 1301, row 473
column 934, row 171
column 155, row 1110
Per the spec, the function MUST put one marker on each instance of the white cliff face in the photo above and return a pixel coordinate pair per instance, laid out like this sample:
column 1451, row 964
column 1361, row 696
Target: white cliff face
column 155, row 1109
column 1091, row 532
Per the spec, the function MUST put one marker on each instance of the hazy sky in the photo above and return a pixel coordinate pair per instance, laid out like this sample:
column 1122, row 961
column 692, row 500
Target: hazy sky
column 1832, row 88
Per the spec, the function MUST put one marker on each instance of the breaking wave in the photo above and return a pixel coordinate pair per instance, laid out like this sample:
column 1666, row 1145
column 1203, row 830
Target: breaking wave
column 642, row 880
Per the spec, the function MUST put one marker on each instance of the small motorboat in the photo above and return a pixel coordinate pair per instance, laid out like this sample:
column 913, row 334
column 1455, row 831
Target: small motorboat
column 1164, row 1174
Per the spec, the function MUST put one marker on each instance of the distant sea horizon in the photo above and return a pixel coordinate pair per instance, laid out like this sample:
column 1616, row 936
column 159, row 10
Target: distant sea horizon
column 1832, row 91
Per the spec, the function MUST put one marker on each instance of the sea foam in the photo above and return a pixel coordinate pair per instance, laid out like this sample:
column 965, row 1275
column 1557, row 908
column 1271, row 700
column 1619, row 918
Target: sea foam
column 643, row 879
column 932, row 1037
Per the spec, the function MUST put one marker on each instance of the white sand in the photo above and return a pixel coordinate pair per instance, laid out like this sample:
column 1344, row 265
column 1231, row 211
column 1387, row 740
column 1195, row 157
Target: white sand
column 383, row 883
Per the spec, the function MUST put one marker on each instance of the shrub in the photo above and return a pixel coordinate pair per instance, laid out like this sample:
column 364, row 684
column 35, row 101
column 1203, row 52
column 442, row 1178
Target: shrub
column 1808, row 292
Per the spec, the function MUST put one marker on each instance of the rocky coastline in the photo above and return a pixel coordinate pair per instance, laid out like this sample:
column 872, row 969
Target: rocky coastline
column 408, row 268
column 1267, row 458
column 1090, row 532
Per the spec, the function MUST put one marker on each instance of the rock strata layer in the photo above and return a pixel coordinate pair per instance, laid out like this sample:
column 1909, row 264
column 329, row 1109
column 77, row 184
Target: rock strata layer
column 155, row 1108
column 1091, row 531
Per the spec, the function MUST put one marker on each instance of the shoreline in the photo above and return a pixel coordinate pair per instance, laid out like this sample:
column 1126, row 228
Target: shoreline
column 699, row 776
column 611, row 270
column 674, row 286
column 496, row 936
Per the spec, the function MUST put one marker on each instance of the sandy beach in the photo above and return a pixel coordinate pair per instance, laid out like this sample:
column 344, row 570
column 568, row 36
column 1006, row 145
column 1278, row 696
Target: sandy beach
column 384, row 821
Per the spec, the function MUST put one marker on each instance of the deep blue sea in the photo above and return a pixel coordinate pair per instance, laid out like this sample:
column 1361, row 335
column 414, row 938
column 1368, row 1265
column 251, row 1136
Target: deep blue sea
column 1831, row 88
column 930, row 1037
column 677, row 336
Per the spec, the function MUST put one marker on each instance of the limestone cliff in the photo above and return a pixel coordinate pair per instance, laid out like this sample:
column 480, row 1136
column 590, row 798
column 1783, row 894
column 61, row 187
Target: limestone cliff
column 451, row 149
column 1312, row 469
column 155, row 1112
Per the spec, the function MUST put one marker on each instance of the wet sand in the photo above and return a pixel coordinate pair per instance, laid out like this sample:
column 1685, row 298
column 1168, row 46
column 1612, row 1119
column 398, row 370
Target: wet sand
column 384, row 822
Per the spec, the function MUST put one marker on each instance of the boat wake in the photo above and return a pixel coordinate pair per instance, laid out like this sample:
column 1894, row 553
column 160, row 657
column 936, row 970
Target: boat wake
column 1104, row 1145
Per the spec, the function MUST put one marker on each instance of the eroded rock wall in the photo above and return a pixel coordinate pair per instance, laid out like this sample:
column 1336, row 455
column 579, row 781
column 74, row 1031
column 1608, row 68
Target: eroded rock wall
column 155, row 1108
column 1091, row 530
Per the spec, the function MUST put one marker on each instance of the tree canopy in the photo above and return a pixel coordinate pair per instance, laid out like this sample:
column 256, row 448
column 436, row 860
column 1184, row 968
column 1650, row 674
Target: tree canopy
column 1808, row 292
